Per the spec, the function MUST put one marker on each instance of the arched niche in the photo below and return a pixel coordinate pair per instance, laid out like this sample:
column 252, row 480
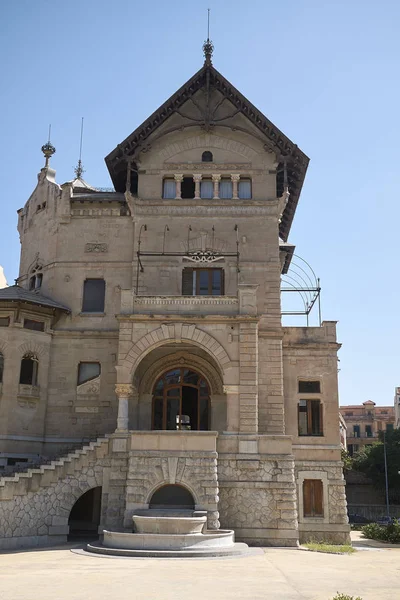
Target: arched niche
column 172, row 496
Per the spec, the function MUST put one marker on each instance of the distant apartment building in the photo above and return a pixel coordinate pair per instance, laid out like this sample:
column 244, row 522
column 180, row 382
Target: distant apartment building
column 343, row 432
column 364, row 421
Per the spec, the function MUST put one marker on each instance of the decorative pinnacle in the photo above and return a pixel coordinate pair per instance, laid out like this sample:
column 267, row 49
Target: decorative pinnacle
column 48, row 150
column 79, row 170
column 208, row 47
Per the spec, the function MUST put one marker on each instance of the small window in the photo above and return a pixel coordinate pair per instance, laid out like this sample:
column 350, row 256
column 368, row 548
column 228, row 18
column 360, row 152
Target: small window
column 32, row 282
column 225, row 188
column 310, row 417
column 38, row 282
column 309, row 387
column 169, row 189
column 1, row 367
column 356, row 431
column 389, row 426
column 206, row 188
column 4, row 321
column 187, row 187
column 313, row 498
column 244, row 189
column 29, row 370
column 93, row 296
column 34, row 325
column 202, row 282
column 207, row 156
column 368, row 430
column 88, row 371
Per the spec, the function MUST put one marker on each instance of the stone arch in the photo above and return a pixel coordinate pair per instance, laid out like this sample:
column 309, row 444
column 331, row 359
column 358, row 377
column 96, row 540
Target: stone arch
column 179, row 359
column 168, row 334
column 32, row 347
column 69, row 492
column 207, row 141
column 160, row 484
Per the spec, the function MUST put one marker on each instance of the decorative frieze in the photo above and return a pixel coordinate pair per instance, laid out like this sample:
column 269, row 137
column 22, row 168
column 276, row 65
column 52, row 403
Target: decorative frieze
column 96, row 247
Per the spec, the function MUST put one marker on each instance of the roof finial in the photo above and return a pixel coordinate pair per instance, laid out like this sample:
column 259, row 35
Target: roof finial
column 208, row 47
column 79, row 170
column 48, row 150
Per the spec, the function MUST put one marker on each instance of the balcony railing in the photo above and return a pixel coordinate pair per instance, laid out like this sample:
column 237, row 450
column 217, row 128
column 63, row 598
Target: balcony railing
column 221, row 305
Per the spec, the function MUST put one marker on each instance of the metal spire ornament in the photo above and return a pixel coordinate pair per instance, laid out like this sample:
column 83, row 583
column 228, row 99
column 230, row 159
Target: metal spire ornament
column 48, row 150
column 208, row 47
column 79, row 170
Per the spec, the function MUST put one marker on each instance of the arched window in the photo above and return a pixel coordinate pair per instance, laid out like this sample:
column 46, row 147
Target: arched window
column 1, row 367
column 29, row 370
column 181, row 400
column 207, row 156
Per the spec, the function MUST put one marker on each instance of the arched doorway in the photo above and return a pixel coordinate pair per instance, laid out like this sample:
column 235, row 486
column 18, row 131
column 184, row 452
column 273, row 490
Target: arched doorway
column 84, row 518
column 181, row 400
column 172, row 496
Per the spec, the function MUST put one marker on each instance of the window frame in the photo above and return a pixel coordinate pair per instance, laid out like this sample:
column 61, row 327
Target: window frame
column 170, row 180
column 36, row 325
column 35, row 369
column 87, row 362
column 85, row 310
column 309, row 413
column 195, row 281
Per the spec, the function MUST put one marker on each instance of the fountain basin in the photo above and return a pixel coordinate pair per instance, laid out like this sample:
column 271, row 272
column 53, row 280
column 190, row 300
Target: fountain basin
column 167, row 525
column 221, row 538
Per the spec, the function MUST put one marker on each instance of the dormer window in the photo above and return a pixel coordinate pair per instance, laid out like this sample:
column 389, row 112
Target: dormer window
column 207, row 156
column 35, row 281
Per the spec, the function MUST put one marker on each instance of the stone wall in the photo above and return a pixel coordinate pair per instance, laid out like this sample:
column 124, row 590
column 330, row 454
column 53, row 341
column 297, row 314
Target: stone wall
column 258, row 498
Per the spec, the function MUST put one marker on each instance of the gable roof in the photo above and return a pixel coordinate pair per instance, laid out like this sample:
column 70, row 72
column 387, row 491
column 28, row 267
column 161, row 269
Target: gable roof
column 15, row 293
column 297, row 161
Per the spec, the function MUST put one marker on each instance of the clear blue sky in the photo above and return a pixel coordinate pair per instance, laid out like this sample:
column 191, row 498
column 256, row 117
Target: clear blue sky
column 326, row 73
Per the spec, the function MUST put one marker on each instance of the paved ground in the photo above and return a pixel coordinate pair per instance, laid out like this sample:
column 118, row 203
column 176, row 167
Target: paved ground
column 277, row 574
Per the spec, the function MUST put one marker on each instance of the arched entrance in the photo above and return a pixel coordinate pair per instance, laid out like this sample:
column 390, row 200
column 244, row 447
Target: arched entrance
column 84, row 518
column 181, row 400
column 172, row 496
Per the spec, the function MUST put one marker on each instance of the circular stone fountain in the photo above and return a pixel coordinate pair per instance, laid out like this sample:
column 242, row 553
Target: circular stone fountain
column 169, row 533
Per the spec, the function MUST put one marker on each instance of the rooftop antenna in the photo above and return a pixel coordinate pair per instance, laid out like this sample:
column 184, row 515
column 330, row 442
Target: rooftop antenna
column 208, row 47
column 48, row 150
column 79, row 170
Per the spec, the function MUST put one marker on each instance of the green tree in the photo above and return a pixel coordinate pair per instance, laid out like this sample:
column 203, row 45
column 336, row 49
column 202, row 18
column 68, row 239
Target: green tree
column 370, row 461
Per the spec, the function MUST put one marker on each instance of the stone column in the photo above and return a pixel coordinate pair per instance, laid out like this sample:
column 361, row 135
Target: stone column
column 216, row 179
column 197, row 178
column 178, row 192
column 124, row 392
column 235, row 182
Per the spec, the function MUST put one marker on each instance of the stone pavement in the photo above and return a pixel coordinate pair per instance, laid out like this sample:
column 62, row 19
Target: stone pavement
column 276, row 574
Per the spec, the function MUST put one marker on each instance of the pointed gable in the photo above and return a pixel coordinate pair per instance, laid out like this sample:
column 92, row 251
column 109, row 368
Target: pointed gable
column 208, row 79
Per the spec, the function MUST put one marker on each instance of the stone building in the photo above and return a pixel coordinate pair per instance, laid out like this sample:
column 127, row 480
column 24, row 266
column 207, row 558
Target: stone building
column 364, row 422
column 149, row 317
column 397, row 407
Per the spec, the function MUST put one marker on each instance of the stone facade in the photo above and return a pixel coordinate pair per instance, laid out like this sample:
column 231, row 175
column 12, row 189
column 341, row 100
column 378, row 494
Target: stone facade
column 99, row 356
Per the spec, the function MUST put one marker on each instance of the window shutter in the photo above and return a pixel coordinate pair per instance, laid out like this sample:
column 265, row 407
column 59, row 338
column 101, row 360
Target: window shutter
column 307, row 497
column 318, row 507
column 187, row 282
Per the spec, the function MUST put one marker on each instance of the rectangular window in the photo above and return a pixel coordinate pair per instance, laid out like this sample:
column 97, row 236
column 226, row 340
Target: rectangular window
column 368, row 430
column 206, row 188
column 310, row 417
column 244, row 189
column 93, row 295
column 225, row 189
column 169, row 189
column 88, row 371
column 389, row 426
column 35, row 325
column 4, row 321
column 187, row 187
column 309, row 387
column 202, row 282
column 356, row 431
column 313, row 498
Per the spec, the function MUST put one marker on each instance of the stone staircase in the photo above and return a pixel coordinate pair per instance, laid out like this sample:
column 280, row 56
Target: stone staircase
column 47, row 474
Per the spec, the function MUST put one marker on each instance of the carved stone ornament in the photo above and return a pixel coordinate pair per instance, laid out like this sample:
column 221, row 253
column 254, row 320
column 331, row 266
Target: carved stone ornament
column 96, row 247
column 124, row 390
column 204, row 256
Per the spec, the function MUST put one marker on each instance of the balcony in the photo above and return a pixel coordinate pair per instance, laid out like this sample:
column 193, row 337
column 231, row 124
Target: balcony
column 243, row 304
column 28, row 391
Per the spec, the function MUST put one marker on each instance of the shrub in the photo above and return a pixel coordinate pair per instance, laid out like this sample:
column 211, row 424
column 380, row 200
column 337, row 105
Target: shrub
column 345, row 597
column 389, row 533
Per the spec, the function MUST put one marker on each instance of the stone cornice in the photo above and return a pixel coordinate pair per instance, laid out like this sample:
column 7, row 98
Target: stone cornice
column 312, row 345
column 228, row 208
column 188, row 318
